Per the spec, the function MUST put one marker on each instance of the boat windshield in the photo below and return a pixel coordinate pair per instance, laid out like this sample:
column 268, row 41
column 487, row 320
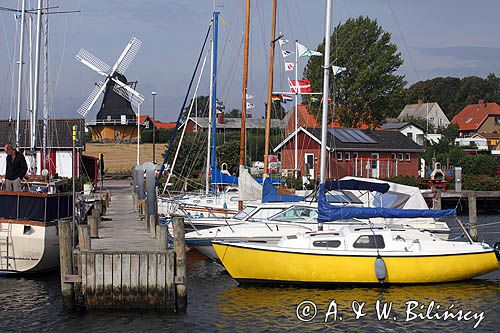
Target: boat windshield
column 297, row 214
column 244, row 213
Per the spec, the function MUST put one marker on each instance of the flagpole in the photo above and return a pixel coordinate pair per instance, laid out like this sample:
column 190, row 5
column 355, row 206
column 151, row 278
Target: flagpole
column 296, row 166
column 270, row 91
column 244, row 95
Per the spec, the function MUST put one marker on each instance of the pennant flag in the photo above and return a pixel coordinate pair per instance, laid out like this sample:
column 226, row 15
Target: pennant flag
column 283, row 41
column 304, row 86
column 286, row 98
column 249, row 96
column 305, row 52
column 250, row 105
column 289, row 66
column 337, row 70
column 329, row 100
column 314, row 99
column 285, row 53
column 276, row 98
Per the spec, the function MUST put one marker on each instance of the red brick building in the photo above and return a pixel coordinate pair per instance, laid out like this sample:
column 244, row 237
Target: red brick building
column 351, row 152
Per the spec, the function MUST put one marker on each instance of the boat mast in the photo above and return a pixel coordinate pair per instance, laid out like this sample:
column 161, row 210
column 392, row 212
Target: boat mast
column 244, row 94
column 45, row 87
column 209, row 138
column 214, row 96
column 20, row 75
column 270, row 91
column 296, row 120
column 326, row 78
column 34, row 115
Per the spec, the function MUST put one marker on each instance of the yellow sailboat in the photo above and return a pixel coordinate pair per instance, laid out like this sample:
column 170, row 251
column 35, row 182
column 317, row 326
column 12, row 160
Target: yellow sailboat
column 354, row 254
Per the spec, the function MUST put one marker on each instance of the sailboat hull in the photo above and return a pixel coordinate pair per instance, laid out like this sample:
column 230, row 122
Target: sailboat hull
column 28, row 247
column 264, row 265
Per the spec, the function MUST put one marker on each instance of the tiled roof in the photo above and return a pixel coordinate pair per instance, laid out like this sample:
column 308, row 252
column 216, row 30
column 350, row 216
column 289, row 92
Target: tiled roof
column 164, row 125
column 473, row 115
column 418, row 110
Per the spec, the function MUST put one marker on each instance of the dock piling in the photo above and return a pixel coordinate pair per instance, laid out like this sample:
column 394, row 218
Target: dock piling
column 437, row 200
column 84, row 237
column 162, row 233
column 93, row 226
column 66, row 263
column 473, row 216
column 180, row 264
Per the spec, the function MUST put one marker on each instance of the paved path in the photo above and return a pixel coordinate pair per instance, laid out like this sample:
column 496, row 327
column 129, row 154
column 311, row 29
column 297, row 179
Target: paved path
column 122, row 229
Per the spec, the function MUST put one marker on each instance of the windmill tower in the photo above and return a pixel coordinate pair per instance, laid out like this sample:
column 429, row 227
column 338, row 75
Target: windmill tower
column 116, row 120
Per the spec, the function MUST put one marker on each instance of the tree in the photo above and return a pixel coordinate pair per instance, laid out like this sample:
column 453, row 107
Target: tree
column 234, row 113
column 201, row 106
column 369, row 90
column 277, row 110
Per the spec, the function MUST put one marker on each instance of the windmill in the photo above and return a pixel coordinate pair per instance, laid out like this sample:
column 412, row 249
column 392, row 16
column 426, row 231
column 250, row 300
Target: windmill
column 112, row 75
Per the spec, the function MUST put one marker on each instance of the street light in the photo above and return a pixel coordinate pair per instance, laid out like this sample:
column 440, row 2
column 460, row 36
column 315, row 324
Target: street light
column 154, row 126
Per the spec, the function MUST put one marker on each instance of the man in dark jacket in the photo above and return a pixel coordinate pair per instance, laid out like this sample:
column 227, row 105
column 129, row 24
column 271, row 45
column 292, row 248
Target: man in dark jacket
column 15, row 170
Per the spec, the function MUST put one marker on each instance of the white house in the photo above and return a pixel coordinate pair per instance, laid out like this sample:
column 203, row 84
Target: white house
column 412, row 131
column 430, row 112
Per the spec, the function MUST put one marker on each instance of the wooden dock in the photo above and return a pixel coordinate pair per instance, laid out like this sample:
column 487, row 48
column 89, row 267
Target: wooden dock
column 124, row 266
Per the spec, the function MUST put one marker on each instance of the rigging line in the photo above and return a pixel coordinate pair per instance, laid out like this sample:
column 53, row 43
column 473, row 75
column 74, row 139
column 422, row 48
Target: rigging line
column 181, row 112
column 404, row 41
column 62, row 57
column 9, row 72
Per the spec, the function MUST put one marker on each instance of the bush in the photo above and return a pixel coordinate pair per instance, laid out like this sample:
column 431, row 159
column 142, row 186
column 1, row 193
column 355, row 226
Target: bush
column 162, row 135
column 478, row 165
column 481, row 183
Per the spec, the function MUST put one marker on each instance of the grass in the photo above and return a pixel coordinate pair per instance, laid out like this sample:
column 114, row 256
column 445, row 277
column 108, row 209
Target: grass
column 122, row 157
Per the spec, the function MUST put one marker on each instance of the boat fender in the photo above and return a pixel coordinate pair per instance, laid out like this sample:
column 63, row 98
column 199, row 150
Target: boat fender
column 380, row 269
column 496, row 247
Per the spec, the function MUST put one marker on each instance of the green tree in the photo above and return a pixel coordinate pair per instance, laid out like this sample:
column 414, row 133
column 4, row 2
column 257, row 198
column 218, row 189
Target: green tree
column 369, row 90
column 201, row 106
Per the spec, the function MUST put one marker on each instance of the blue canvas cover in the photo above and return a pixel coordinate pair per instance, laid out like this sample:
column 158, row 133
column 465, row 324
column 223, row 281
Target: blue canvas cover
column 354, row 184
column 220, row 178
column 270, row 194
column 328, row 212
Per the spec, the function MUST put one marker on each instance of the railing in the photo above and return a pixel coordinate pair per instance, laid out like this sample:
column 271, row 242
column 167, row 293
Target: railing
column 112, row 122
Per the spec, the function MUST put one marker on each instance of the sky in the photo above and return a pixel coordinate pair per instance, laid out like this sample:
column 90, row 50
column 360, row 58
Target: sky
column 435, row 38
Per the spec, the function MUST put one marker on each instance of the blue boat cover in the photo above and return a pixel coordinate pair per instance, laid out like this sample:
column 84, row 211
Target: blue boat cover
column 328, row 212
column 353, row 184
column 223, row 179
column 270, row 194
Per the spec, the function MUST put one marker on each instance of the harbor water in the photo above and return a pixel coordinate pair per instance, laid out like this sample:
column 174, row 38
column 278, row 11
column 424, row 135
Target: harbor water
column 218, row 304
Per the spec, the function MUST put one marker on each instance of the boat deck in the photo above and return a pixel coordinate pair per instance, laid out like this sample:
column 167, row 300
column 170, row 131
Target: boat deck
column 122, row 229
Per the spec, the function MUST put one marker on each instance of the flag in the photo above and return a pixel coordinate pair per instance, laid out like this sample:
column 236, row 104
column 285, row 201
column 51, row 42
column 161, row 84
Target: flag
column 286, row 98
column 304, row 86
column 305, row 52
column 276, row 98
column 249, row 96
column 337, row 70
column 289, row 66
column 286, row 53
column 314, row 99
column 250, row 105
column 329, row 100
column 283, row 41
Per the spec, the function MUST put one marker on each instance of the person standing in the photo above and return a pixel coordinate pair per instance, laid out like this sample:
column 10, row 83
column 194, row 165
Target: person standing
column 15, row 170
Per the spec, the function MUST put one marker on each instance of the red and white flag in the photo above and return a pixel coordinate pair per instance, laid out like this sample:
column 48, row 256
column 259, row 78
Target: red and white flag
column 304, row 86
column 289, row 66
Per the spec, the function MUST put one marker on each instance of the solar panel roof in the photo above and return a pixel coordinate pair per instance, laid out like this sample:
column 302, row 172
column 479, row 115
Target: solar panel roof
column 351, row 135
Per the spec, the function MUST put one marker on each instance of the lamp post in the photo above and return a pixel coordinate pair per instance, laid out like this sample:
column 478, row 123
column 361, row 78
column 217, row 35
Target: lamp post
column 154, row 127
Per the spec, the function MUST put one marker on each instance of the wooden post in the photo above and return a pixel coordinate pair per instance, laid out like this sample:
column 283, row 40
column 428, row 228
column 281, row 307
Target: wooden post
column 163, row 236
column 473, row 216
column 180, row 264
column 97, row 207
column 153, row 222
column 437, row 200
column 66, row 262
column 94, row 226
column 84, row 237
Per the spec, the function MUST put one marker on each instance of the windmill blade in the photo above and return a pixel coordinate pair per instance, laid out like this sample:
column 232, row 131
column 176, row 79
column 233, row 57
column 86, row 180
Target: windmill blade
column 127, row 56
column 94, row 95
column 127, row 92
column 90, row 60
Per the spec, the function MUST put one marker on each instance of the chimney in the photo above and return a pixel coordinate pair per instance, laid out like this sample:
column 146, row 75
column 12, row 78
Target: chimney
column 220, row 117
column 481, row 102
column 420, row 101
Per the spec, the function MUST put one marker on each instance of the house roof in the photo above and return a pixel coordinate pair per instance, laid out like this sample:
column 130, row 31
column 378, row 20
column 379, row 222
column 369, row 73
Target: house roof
column 304, row 118
column 398, row 126
column 164, row 125
column 473, row 115
column 360, row 140
column 235, row 123
column 59, row 133
column 418, row 110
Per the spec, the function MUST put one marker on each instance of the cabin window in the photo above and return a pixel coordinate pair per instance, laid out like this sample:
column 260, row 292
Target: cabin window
column 265, row 213
column 393, row 156
column 400, row 156
column 408, row 156
column 326, row 243
column 347, row 156
column 339, row 156
column 497, row 120
column 354, row 155
column 369, row 242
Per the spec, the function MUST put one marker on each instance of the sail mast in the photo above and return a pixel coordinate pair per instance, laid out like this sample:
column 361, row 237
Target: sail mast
column 36, row 90
column 45, row 88
column 270, row 91
column 20, row 75
column 214, row 97
column 244, row 94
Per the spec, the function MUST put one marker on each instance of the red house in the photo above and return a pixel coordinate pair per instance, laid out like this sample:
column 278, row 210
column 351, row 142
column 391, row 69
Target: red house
column 478, row 118
column 351, row 152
